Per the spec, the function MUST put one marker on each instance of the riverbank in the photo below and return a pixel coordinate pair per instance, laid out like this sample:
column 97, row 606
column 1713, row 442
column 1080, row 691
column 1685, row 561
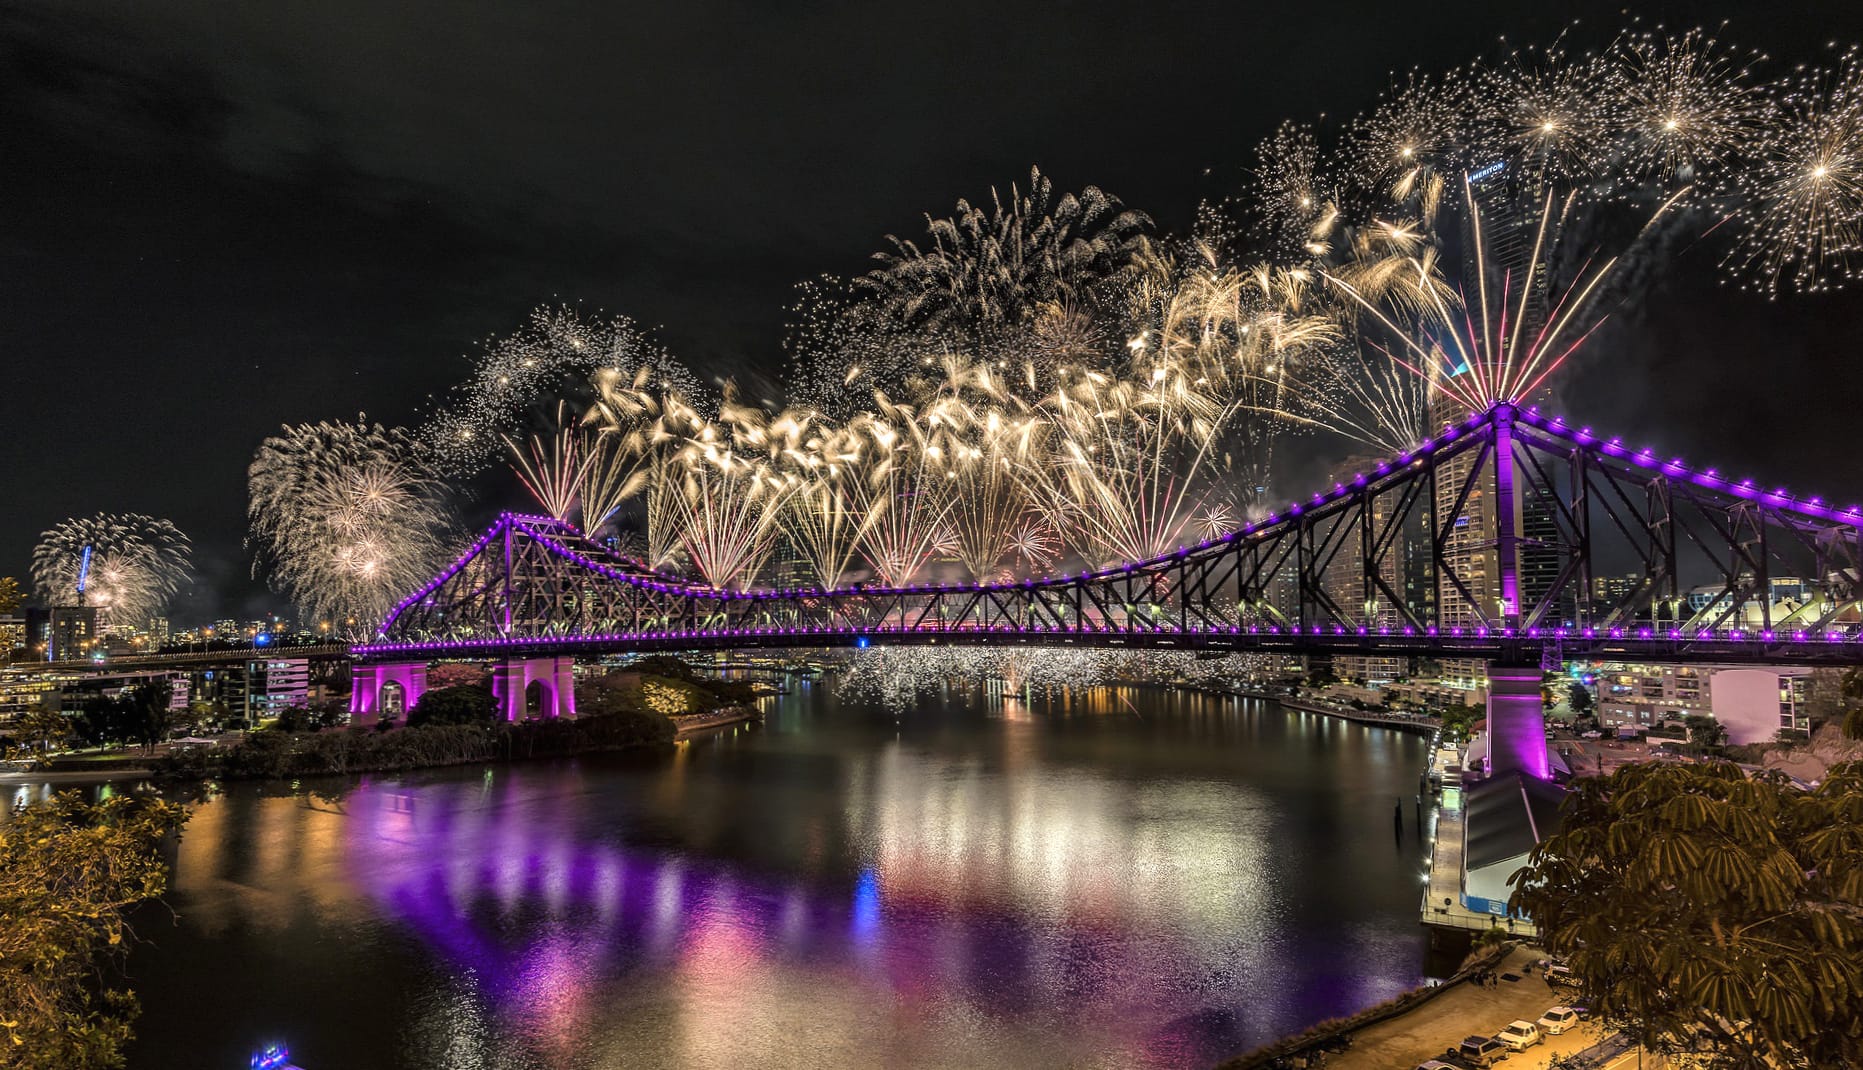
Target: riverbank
column 1424, row 1023
column 689, row 725
column 1422, row 724
column 276, row 755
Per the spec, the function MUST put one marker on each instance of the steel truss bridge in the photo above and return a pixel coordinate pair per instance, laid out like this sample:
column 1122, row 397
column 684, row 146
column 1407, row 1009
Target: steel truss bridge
column 1483, row 542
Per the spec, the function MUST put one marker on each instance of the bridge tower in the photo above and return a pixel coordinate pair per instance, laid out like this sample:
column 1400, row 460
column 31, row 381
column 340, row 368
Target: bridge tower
column 386, row 690
column 554, row 679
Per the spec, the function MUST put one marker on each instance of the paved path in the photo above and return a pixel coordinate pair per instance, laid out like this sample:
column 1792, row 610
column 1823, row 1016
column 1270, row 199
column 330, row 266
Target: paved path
column 1426, row 1031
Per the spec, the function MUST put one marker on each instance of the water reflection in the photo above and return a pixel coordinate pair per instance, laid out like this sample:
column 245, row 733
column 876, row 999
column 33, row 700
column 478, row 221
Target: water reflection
column 1136, row 878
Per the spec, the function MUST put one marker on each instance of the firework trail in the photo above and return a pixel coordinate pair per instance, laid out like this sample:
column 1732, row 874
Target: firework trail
column 350, row 517
column 125, row 565
column 555, row 469
column 518, row 379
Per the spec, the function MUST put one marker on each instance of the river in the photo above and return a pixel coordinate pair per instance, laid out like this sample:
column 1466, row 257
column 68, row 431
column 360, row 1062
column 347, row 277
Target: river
column 1126, row 877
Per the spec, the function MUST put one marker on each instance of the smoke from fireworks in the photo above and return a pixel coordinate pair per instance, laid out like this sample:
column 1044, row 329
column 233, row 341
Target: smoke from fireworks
column 351, row 517
column 125, row 565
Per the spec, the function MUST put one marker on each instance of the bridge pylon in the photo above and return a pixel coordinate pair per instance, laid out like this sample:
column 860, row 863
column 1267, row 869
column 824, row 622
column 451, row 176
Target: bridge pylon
column 1517, row 720
column 553, row 677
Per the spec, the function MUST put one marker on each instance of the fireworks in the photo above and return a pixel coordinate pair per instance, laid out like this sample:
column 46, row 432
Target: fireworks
column 1689, row 107
column 518, row 379
column 352, row 517
column 125, row 565
column 1016, row 285
column 554, row 469
column 1805, row 200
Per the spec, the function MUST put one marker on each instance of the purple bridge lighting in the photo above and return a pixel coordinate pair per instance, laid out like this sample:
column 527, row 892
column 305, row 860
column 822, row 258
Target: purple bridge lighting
column 1481, row 542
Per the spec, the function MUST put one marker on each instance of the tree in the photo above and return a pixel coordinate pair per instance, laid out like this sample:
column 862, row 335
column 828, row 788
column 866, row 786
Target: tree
column 1578, row 698
column 99, row 722
column 69, row 871
column 1695, row 904
column 460, row 704
column 45, row 725
column 10, row 596
column 145, row 714
column 1704, row 732
column 455, row 673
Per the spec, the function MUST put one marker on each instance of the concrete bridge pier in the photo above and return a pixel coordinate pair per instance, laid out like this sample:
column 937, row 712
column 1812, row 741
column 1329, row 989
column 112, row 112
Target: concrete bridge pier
column 1516, row 721
column 553, row 678
column 386, row 689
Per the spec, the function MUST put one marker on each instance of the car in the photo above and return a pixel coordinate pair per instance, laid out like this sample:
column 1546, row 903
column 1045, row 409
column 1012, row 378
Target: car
column 1519, row 1035
column 1557, row 1020
column 1560, row 974
column 1437, row 1064
column 1481, row 1051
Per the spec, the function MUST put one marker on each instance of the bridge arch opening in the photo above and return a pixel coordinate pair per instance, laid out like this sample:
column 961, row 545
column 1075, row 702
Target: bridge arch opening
column 539, row 699
column 393, row 700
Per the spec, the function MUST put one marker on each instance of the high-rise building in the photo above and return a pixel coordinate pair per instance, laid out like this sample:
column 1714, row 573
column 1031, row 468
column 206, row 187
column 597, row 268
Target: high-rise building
column 1343, row 582
column 276, row 684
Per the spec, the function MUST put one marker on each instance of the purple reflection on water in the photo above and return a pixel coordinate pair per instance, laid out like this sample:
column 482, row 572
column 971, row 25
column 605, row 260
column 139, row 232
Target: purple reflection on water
column 545, row 920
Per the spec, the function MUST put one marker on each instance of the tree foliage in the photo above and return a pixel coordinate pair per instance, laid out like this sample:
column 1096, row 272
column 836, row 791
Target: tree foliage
column 139, row 714
column 1578, row 698
column 10, row 596
column 459, row 704
column 456, row 673
column 68, row 872
column 1699, row 906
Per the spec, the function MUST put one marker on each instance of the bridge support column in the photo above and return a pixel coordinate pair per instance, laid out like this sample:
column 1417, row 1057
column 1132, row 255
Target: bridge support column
column 386, row 690
column 554, row 677
column 1516, row 721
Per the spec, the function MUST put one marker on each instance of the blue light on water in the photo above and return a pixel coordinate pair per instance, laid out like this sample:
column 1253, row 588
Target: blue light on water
column 866, row 905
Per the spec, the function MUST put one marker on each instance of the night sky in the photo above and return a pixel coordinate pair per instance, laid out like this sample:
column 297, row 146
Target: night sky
column 217, row 218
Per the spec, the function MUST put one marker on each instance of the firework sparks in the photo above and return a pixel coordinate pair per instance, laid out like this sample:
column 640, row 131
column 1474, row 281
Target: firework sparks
column 1805, row 206
column 518, row 379
column 127, row 566
column 350, row 516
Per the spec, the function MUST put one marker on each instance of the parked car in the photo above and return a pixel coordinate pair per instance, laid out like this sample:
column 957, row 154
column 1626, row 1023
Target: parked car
column 1557, row 1020
column 1519, row 1035
column 1481, row 1051
column 1561, row 974
column 1437, row 1064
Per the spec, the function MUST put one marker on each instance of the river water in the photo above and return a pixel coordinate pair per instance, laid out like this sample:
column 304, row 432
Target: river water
column 1125, row 877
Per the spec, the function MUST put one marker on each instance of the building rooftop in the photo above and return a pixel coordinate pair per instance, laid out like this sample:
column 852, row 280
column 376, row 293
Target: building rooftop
column 1507, row 815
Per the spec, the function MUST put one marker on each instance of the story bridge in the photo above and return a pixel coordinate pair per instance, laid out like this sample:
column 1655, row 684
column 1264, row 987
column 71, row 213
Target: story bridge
column 1482, row 542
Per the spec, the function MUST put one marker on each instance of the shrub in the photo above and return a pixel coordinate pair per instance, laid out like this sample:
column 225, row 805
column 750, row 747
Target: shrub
column 278, row 754
column 458, row 704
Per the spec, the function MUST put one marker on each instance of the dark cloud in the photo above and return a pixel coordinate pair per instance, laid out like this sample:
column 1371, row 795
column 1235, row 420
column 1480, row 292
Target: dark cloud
column 218, row 218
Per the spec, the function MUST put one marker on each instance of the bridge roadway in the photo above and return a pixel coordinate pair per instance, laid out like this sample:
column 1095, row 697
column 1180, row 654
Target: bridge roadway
column 1730, row 646
column 186, row 659
column 1327, row 575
